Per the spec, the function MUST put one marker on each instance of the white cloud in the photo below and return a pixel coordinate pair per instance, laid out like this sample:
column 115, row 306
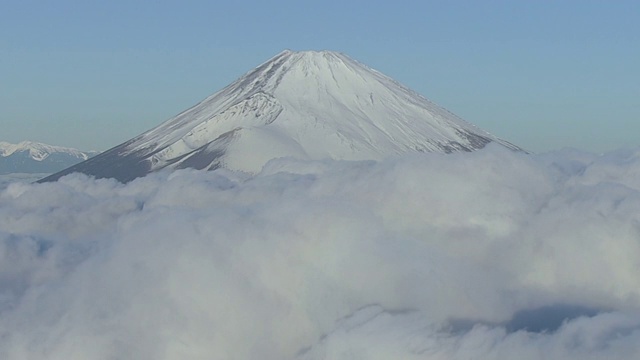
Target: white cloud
column 424, row 256
column 6, row 179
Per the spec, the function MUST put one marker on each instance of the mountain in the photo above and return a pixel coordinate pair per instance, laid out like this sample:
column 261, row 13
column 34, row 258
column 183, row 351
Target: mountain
column 33, row 157
column 309, row 105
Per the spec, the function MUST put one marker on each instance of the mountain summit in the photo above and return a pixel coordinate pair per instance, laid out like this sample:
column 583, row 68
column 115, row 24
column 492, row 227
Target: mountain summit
column 34, row 157
column 309, row 105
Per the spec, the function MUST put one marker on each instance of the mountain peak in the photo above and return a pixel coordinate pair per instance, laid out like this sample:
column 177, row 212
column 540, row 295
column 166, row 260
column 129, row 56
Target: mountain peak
column 308, row 52
column 308, row 63
column 38, row 151
column 35, row 157
column 303, row 104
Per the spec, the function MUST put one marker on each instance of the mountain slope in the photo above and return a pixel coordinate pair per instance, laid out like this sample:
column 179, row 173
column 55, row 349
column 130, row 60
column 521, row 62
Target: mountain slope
column 308, row 105
column 33, row 157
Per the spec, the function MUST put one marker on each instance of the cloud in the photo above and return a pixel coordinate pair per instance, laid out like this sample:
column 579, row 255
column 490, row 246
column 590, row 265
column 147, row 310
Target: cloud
column 6, row 179
column 373, row 333
column 421, row 256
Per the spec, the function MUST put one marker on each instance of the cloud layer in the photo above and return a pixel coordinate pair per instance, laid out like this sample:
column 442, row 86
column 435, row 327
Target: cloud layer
column 491, row 254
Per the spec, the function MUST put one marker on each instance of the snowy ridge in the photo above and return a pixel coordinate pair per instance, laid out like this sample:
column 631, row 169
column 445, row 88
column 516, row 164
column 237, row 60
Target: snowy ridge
column 38, row 151
column 30, row 157
column 306, row 105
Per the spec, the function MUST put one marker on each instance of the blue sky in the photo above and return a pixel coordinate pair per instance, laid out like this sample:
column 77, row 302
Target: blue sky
column 541, row 74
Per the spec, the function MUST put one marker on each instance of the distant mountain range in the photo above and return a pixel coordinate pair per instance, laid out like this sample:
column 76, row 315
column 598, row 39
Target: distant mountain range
column 306, row 105
column 32, row 157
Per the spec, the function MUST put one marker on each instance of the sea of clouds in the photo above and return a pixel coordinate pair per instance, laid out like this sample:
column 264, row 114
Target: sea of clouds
column 484, row 255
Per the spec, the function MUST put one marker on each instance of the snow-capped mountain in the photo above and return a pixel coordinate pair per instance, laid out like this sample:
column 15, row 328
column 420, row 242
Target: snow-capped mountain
column 308, row 105
column 34, row 157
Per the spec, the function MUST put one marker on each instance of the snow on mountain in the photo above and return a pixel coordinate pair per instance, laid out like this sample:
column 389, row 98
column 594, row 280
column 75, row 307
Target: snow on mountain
column 39, row 151
column 34, row 157
column 308, row 105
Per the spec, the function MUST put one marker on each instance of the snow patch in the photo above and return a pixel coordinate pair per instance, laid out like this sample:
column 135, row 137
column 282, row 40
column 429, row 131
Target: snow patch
column 38, row 151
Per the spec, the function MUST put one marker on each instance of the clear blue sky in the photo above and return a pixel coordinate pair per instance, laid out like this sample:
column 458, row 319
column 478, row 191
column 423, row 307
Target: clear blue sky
column 542, row 74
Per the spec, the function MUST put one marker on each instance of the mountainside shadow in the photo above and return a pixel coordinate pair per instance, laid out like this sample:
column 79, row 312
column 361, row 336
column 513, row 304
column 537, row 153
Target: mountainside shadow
column 544, row 319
